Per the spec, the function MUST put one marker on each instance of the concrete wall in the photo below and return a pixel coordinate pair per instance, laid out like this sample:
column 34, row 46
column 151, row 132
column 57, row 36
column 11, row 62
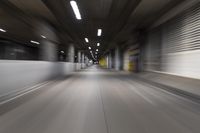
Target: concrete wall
column 16, row 75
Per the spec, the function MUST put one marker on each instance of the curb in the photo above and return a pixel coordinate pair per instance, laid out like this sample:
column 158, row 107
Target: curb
column 177, row 91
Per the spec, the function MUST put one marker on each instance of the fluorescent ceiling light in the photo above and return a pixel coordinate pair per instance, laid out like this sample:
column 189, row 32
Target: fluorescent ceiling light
column 62, row 52
column 86, row 40
column 98, row 44
column 34, row 42
column 97, row 50
column 99, row 32
column 2, row 30
column 43, row 36
column 89, row 47
column 75, row 9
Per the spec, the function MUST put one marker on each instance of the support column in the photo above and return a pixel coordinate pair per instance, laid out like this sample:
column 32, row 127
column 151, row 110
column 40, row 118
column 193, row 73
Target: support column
column 48, row 51
column 79, row 56
column 109, row 60
column 117, row 59
column 86, row 60
column 71, row 53
column 83, row 60
column 48, row 45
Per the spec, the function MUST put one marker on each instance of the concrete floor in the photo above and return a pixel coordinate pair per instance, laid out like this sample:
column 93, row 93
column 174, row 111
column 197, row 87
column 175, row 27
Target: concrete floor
column 99, row 101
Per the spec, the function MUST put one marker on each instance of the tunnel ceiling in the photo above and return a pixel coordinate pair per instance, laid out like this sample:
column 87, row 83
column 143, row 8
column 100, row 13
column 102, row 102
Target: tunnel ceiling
column 118, row 19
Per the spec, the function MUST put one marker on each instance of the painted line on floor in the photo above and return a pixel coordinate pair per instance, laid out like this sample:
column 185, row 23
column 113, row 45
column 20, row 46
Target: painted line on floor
column 27, row 91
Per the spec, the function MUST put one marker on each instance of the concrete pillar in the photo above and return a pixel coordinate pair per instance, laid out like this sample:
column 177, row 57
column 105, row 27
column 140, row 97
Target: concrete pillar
column 79, row 56
column 70, row 53
column 117, row 59
column 48, row 41
column 109, row 60
column 48, row 51
column 86, row 60
column 82, row 60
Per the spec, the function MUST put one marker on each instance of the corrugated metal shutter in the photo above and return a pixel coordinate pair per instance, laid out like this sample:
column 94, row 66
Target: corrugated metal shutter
column 183, row 32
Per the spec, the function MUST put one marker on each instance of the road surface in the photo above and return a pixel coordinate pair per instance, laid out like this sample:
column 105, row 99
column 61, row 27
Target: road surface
column 99, row 101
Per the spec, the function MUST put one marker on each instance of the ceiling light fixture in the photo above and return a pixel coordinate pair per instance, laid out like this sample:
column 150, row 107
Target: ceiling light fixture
column 35, row 42
column 97, row 50
column 99, row 32
column 2, row 30
column 98, row 44
column 75, row 9
column 86, row 40
column 89, row 47
column 43, row 36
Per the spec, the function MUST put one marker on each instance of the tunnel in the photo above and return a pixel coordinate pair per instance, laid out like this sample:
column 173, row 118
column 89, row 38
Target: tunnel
column 99, row 66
